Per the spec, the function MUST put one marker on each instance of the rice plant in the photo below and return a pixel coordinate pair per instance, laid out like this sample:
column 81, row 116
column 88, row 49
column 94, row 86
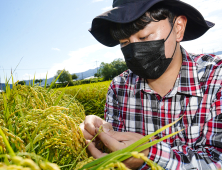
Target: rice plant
column 40, row 130
column 42, row 122
column 114, row 160
column 91, row 96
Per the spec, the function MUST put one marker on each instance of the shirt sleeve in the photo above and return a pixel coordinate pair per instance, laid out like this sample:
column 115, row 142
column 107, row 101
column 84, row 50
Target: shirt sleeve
column 207, row 151
column 112, row 112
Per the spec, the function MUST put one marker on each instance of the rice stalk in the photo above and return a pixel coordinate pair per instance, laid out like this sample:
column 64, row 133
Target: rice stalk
column 117, row 155
column 31, row 123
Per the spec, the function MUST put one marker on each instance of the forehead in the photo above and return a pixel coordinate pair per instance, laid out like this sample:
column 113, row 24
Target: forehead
column 163, row 25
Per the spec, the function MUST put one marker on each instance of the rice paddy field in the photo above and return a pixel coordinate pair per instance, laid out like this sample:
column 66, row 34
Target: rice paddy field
column 40, row 129
column 91, row 96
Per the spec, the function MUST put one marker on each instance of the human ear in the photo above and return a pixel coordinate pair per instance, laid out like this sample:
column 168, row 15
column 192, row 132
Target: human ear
column 180, row 27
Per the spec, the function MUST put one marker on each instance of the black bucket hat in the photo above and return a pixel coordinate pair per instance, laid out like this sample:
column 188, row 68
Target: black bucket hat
column 126, row 11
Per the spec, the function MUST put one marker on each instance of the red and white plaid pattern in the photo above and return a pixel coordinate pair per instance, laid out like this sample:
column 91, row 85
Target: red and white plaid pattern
column 132, row 106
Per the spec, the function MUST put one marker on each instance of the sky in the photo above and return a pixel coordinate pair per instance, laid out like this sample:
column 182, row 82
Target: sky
column 41, row 37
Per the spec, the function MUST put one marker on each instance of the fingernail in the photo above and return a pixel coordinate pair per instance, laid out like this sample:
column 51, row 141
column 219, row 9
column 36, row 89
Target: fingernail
column 97, row 130
column 106, row 130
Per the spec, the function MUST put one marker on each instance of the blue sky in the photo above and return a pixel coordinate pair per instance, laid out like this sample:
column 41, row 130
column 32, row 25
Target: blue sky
column 53, row 34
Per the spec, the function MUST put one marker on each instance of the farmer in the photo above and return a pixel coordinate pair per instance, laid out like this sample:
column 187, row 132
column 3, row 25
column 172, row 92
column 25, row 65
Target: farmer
column 163, row 83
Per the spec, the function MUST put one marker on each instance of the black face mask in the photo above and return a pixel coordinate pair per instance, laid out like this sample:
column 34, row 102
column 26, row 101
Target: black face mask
column 147, row 59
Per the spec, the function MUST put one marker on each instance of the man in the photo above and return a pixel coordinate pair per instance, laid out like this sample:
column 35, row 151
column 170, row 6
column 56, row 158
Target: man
column 163, row 83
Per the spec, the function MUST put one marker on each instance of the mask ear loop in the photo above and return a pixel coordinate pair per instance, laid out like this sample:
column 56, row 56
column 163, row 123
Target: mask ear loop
column 174, row 50
column 169, row 35
column 170, row 30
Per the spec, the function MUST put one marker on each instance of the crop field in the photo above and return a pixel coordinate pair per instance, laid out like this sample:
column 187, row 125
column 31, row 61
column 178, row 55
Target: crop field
column 91, row 96
column 40, row 129
column 40, row 125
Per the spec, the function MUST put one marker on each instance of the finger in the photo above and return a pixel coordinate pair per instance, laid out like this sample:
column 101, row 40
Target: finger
column 85, row 133
column 99, row 122
column 107, row 126
column 95, row 152
column 119, row 136
column 89, row 127
column 123, row 136
column 91, row 122
column 134, row 163
column 110, row 142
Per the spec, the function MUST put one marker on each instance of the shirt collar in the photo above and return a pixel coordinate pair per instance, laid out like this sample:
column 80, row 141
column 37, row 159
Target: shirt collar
column 187, row 80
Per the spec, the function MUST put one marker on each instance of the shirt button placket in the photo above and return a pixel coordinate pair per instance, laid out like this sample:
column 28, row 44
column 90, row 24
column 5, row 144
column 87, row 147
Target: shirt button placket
column 161, row 104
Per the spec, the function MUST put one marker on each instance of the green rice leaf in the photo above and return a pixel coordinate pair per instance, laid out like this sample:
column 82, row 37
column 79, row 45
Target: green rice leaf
column 46, row 81
column 14, row 71
column 72, row 99
column 10, row 150
column 33, row 81
column 148, row 145
column 59, row 97
column 52, row 84
column 127, row 149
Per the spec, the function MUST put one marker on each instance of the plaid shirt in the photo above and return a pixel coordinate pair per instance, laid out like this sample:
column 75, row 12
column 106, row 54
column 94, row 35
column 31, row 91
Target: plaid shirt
column 132, row 106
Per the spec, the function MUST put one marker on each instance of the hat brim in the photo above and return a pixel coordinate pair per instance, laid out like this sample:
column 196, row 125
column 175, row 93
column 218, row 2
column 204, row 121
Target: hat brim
column 100, row 29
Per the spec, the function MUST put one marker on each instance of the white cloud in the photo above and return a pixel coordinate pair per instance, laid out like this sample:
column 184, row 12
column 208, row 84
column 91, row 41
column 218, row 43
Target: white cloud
column 84, row 58
column 56, row 49
column 206, row 7
column 27, row 76
column 211, row 40
column 113, row 55
column 97, row 1
column 79, row 61
column 107, row 8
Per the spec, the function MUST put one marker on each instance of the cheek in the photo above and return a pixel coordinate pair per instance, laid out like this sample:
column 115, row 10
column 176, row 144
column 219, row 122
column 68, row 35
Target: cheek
column 170, row 45
column 157, row 35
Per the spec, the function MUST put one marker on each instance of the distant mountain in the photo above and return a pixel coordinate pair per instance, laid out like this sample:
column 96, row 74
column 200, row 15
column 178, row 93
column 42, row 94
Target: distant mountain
column 86, row 74
column 81, row 75
column 49, row 80
column 218, row 53
column 2, row 86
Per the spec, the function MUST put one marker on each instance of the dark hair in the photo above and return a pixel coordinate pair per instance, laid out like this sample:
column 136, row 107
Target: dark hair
column 156, row 13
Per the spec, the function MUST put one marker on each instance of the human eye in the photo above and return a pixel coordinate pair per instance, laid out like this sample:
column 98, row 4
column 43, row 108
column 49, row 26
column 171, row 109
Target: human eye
column 123, row 44
column 144, row 38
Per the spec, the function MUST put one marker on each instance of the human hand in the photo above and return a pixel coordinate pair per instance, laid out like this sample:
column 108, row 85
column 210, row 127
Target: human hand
column 90, row 124
column 116, row 141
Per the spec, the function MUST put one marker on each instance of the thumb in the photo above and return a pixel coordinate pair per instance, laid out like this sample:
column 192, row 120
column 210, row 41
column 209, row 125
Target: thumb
column 107, row 126
column 110, row 142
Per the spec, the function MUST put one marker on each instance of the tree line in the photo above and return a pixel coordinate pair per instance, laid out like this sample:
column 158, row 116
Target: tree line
column 110, row 70
column 106, row 71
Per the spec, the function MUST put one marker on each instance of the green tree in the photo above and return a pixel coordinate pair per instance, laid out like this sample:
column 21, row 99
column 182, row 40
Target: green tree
column 97, row 75
column 106, row 71
column 65, row 77
column 74, row 76
column 119, row 66
column 38, row 80
column 109, row 70
column 21, row 82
